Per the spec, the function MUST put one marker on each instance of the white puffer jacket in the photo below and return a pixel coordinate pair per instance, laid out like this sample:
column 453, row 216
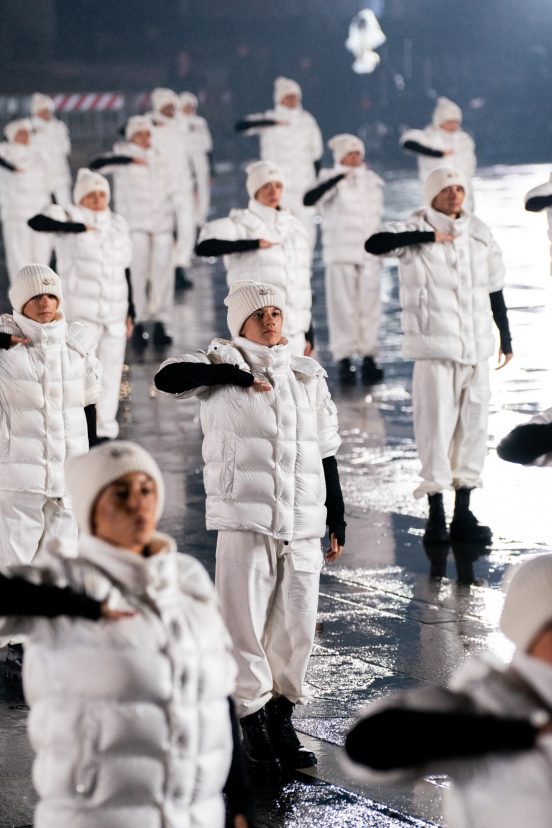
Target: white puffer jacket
column 446, row 311
column 144, row 193
column 27, row 192
column 92, row 265
column 129, row 719
column 52, row 138
column 197, row 136
column 287, row 265
column 263, row 452
column 544, row 190
column 462, row 146
column 44, row 388
column 351, row 212
column 169, row 140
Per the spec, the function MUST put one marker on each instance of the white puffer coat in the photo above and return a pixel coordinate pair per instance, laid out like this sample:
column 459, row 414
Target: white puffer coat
column 92, row 265
column 461, row 144
column 446, row 311
column 144, row 193
column 263, row 452
column 351, row 212
column 197, row 136
column 28, row 192
column 129, row 719
column 52, row 138
column 168, row 139
column 287, row 265
column 544, row 190
column 44, row 388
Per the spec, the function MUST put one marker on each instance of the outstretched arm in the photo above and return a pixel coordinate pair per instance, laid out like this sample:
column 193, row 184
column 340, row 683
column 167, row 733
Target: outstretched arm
column 179, row 377
column 381, row 243
column 314, row 195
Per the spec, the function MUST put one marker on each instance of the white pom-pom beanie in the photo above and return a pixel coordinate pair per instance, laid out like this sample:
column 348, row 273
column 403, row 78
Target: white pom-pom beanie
column 246, row 297
column 11, row 129
column 259, row 174
column 343, row 144
column 87, row 475
column 137, row 123
column 33, row 280
column 446, row 110
column 188, row 99
column 40, row 102
column 527, row 607
column 161, row 97
column 89, row 181
column 285, row 86
column 440, row 178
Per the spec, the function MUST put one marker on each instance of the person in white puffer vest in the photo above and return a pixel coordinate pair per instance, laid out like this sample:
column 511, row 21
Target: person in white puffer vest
column 267, row 243
column 146, row 196
column 272, row 486
column 443, row 138
column 93, row 255
column 538, row 199
column 451, row 279
column 25, row 188
column 49, row 384
column 349, row 197
column 52, row 137
column 197, row 138
column 131, row 722
column 291, row 139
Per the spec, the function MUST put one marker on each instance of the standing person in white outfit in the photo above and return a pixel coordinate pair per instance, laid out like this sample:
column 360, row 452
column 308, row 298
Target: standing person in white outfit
column 26, row 188
column 443, row 138
column 197, row 138
column 451, row 278
column 52, row 137
column 272, row 485
column 538, row 199
column 291, row 139
column 93, row 254
column 349, row 197
column 131, row 723
column 49, row 384
column 145, row 195
column 265, row 242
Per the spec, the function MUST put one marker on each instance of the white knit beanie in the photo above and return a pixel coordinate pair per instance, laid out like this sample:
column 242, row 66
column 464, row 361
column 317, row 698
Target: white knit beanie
column 89, row 181
column 246, row 297
column 137, row 123
column 33, row 280
column 528, row 604
column 188, row 99
column 40, row 102
column 11, row 129
column 440, row 178
column 446, row 110
column 259, row 174
column 87, row 475
column 342, row 144
column 161, row 97
column 285, row 86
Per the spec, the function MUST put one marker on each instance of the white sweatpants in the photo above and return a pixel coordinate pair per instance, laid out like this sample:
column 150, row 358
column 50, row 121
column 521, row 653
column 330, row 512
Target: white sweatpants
column 23, row 246
column 152, row 276
column 268, row 596
column 110, row 350
column 28, row 522
column 185, row 231
column 354, row 307
column 451, row 409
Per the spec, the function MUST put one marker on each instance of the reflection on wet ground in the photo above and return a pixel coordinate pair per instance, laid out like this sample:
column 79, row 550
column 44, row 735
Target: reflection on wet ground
column 392, row 613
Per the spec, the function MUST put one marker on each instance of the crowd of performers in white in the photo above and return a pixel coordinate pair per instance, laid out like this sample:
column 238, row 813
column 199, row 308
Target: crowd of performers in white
column 140, row 674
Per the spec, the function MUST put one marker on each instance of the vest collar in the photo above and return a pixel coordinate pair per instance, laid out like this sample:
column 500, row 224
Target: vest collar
column 262, row 357
column 48, row 334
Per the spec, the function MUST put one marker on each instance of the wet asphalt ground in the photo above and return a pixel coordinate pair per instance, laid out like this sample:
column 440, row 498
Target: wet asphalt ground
column 390, row 615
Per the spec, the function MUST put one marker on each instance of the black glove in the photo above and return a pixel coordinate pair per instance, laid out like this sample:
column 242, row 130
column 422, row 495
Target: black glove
column 526, row 442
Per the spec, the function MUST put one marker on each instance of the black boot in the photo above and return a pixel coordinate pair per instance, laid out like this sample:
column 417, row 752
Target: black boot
column 13, row 664
column 257, row 745
column 465, row 527
column 181, row 280
column 370, row 371
column 286, row 743
column 140, row 337
column 436, row 527
column 161, row 336
column 347, row 372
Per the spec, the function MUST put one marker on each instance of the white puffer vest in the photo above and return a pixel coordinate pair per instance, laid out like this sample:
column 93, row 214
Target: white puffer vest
column 461, row 144
column 287, row 265
column 129, row 719
column 25, row 193
column 197, row 136
column 168, row 139
column 263, row 451
column 351, row 212
column 144, row 193
column 44, row 388
column 52, row 138
column 446, row 311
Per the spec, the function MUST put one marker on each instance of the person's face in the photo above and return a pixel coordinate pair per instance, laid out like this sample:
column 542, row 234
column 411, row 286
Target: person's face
column 188, row 109
column 291, row 101
column 45, row 114
column 22, row 136
column 95, row 200
column 541, row 647
column 450, row 126
column 42, row 308
column 352, row 159
column 124, row 513
column 168, row 110
column 142, row 138
column 264, row 326
column 450, row 200
column 270, row 194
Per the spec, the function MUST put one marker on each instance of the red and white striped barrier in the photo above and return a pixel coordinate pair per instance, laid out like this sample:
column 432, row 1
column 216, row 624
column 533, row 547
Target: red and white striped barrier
column 91, row 102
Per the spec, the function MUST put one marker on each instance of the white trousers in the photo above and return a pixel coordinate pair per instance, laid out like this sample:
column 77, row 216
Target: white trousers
column 451, row 410
column 28, row 522
column 354, row 307
column 23, row 246
column 268, row 596
column 202, row 191
column 152, row 276
column 185, row 231
column 110, row 350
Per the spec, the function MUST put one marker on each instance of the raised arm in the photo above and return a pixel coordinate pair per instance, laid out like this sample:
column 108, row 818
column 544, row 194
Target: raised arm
column 314, row 195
